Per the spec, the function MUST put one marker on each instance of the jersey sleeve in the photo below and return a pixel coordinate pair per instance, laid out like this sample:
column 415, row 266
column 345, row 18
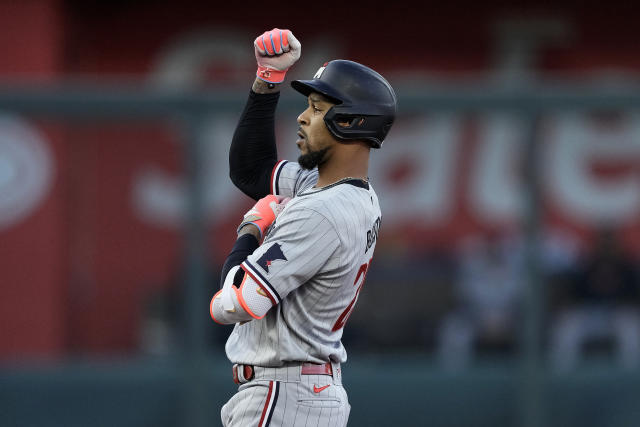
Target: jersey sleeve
column 289, row 178
column 296, row 250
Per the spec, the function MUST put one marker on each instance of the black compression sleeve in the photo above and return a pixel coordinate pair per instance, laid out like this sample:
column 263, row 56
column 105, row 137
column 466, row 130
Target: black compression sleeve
column 253, row 151
column 244, row 246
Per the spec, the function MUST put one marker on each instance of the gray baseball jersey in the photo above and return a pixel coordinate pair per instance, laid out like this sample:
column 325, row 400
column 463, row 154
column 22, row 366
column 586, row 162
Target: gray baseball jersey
column 312, row 265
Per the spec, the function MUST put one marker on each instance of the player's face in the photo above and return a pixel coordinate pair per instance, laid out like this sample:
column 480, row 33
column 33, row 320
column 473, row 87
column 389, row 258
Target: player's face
column 314, row 139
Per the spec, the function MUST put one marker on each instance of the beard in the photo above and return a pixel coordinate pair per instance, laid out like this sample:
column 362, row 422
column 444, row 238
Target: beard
column 313, row 159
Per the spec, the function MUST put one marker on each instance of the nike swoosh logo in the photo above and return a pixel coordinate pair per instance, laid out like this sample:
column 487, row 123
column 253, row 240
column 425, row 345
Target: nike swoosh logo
column 317, row 389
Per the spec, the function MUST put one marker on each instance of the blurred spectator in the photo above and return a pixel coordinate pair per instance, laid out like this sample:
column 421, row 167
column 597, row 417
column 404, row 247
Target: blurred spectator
column 603, row 304
column 488, row 291
column 159, row 324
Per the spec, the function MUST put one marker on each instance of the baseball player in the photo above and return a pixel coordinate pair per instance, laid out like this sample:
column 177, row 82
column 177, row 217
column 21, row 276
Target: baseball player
column 318, row 220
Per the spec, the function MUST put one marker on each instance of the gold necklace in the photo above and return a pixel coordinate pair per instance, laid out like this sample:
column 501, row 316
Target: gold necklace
column 341, row 180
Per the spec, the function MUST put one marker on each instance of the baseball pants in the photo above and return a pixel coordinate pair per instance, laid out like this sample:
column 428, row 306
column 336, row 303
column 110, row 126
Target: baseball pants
column 285, row 397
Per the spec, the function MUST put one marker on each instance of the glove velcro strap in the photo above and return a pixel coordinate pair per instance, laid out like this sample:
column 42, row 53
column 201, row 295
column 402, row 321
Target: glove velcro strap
column 270, row 75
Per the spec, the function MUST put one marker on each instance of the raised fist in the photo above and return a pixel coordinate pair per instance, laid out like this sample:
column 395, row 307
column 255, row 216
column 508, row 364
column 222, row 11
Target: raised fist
column 264, row 212
column 276, row 51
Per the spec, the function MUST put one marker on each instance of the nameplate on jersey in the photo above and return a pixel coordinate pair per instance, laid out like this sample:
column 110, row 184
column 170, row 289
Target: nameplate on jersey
column 372, row 234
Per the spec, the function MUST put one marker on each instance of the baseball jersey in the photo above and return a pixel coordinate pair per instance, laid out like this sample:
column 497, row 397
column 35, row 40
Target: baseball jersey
column 311, row 265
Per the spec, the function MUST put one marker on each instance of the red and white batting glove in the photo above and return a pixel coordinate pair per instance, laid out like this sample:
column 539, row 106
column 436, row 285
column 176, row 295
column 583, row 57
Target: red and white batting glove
column 276, row 51
column 264, row 212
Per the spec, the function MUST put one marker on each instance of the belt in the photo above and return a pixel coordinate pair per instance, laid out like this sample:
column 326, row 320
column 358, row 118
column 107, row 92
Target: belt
column 245, row 373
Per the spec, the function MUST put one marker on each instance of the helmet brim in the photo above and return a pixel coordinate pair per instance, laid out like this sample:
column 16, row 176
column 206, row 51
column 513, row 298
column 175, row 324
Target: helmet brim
column 306, row 87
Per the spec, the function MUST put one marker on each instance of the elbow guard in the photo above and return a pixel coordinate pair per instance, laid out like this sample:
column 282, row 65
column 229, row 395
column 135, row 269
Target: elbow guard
column 233, row 304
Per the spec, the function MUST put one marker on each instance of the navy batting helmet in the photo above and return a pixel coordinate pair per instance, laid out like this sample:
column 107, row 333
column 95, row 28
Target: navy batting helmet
column 364, row 100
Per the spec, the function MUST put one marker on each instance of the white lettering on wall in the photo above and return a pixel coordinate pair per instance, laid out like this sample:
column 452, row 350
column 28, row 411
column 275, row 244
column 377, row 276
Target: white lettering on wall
column 186, row 60
column 159, row 197
column 575, row 143
column 429, row 147
column 495, row 187
column 417, row 170
column 26, row 170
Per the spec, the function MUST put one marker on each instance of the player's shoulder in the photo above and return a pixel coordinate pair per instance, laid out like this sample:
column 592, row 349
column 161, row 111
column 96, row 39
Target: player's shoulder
column 290, row 178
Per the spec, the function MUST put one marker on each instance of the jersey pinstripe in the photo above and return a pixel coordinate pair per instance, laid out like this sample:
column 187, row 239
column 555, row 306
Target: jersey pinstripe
column 312, row 264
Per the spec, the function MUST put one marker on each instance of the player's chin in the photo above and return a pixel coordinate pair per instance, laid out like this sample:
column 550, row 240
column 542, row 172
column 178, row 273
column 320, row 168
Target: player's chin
column 307, row 161
column 312, row 159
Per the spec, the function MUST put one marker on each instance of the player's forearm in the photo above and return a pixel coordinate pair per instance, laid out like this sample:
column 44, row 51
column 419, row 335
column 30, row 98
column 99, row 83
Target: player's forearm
column 253, row 152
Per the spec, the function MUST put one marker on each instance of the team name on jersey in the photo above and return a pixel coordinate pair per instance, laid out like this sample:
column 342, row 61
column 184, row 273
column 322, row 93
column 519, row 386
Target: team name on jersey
column 372, row 234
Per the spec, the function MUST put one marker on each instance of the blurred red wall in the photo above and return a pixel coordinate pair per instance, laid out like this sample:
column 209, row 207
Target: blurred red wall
column 77, row 268
column 32, row 252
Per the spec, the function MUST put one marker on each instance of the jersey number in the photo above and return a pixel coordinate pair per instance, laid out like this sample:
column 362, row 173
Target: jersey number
column 362, row 272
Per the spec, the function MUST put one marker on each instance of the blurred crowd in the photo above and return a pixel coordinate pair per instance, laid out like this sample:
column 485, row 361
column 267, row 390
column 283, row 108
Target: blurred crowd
column 467, row 303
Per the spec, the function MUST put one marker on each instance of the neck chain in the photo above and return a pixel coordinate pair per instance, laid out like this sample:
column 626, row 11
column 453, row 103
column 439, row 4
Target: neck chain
column 347, row 178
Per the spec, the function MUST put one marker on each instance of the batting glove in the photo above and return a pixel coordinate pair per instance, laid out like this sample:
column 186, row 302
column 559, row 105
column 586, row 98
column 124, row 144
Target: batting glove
column 264, row 212
column 276, row 51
